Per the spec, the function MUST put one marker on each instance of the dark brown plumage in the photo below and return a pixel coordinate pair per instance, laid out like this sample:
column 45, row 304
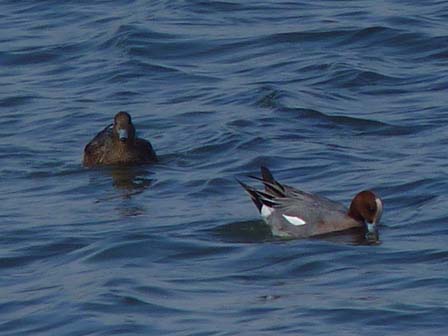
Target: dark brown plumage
column 117, row 144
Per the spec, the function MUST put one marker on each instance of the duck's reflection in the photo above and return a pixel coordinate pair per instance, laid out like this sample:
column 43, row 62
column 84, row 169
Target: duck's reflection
column 353, row 236
column 130, row 180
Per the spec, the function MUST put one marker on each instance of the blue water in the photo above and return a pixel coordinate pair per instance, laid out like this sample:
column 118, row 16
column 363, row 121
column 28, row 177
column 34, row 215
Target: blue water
column 334, row 96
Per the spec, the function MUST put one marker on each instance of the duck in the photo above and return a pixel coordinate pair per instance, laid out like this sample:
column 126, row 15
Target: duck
column 117, row 144
column 293, row 213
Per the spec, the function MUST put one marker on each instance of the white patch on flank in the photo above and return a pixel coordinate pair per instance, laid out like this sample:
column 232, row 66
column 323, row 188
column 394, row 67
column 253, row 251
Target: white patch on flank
column 294, row 220
column 266, row 211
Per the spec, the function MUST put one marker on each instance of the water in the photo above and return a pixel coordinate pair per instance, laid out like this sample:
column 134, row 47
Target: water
column 333, row 96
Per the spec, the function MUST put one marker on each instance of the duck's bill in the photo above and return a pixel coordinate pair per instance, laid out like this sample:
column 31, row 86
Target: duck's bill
column 372, row 232
column 122, row 135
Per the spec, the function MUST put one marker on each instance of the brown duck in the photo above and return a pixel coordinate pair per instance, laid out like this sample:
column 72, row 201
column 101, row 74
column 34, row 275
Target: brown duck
column 117, row 144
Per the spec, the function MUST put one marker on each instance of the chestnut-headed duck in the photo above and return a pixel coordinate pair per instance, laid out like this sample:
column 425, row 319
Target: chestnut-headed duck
column 117, row 144
column 294, row 213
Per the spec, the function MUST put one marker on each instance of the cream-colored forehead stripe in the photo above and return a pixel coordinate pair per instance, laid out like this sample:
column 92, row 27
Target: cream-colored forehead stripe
column 379, row 210
column 379, row 205
column 294, row 220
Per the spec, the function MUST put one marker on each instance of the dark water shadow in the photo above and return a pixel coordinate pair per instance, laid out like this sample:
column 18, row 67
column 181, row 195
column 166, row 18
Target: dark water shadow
column 255, row 231
column 258, row 232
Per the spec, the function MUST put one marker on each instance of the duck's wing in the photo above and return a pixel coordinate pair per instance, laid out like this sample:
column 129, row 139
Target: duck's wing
column 145, row 150
column 302, row 219
column 308, row 208
column 315, row 199
column 293, row 195
column 95, row 150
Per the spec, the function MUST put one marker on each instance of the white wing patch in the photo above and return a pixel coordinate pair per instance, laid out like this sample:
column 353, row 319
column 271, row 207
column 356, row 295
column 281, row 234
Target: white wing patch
column 266, row 211
column 297, row 221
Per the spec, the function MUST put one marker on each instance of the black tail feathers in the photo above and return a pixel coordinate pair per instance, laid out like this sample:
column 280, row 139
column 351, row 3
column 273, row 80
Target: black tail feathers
column 266, row 174
column 252, row 193
column 273, row 189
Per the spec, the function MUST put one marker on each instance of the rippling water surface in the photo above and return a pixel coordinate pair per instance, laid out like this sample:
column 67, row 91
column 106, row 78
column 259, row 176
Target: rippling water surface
column 333, row 96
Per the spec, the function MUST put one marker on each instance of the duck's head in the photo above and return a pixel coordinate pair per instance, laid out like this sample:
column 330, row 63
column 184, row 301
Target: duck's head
column 123, row 128
column 367, row 208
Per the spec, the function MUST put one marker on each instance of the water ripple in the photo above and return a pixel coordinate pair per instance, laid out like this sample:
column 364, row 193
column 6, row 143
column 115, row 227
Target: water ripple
column 335, row 97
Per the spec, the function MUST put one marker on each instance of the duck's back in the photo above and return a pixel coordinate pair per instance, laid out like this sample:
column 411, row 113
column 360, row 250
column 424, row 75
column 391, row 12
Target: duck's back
column 96, row 150
column 301, row 214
